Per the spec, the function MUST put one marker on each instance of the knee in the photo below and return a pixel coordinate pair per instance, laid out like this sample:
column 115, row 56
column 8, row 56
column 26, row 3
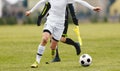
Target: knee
column 63, row 39
column 45, row 39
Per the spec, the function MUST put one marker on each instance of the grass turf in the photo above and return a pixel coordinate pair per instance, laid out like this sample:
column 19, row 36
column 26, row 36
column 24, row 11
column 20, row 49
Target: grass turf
column 18, row 46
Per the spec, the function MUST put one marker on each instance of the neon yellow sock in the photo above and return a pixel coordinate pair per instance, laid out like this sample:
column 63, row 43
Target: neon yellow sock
column 53, row 53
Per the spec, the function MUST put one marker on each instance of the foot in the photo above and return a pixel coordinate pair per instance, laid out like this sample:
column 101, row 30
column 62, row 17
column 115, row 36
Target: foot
column 34, row 65
column 77, row 47
column 56, row 59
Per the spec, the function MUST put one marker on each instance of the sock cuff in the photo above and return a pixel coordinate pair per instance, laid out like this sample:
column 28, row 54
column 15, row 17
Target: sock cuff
column 41, row 49
column 39, row 54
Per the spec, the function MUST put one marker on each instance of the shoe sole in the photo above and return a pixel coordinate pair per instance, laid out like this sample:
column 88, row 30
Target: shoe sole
column 34, row 67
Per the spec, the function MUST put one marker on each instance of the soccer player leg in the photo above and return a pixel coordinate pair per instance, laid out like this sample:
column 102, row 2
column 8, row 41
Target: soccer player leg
column 41, row 48
column 75, row 44
column 56, row 58
column 69, row 41
column 55, row 55
column 75, row 20
column 53, row 46
column 56, row 37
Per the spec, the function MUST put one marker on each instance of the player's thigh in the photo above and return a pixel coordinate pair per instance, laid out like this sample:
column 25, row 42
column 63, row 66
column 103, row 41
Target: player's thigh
column 57, row 33
column 46, row 35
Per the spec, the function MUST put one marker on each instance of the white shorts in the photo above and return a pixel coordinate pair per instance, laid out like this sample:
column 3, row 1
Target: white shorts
column 55, row 29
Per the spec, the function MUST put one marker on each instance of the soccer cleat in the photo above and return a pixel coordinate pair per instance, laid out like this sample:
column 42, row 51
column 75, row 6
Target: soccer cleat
column 77, row 47
column 56, row 59
column 34, row 65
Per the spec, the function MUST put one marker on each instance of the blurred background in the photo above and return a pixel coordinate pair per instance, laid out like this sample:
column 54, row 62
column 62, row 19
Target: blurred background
column 12, row 12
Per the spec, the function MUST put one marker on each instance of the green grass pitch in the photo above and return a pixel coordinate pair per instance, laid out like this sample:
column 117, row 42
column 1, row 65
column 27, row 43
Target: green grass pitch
column 18, row 46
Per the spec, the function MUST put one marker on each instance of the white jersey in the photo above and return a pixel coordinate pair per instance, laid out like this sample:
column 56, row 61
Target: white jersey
column 56, row 18
column 56, row 12
column 82, row 2
column 58, row 8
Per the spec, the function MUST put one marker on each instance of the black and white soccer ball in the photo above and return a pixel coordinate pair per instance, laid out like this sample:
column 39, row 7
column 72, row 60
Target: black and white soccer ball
column 85, row 60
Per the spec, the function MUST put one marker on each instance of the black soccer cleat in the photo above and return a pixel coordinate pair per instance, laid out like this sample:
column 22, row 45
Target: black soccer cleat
column 56, row 59
column 77, row 47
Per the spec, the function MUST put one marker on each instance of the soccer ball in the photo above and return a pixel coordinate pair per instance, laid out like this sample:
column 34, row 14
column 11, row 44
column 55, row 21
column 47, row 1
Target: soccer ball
column 85, row 60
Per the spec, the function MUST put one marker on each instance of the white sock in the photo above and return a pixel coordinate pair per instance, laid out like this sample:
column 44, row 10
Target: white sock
column 40, row 53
